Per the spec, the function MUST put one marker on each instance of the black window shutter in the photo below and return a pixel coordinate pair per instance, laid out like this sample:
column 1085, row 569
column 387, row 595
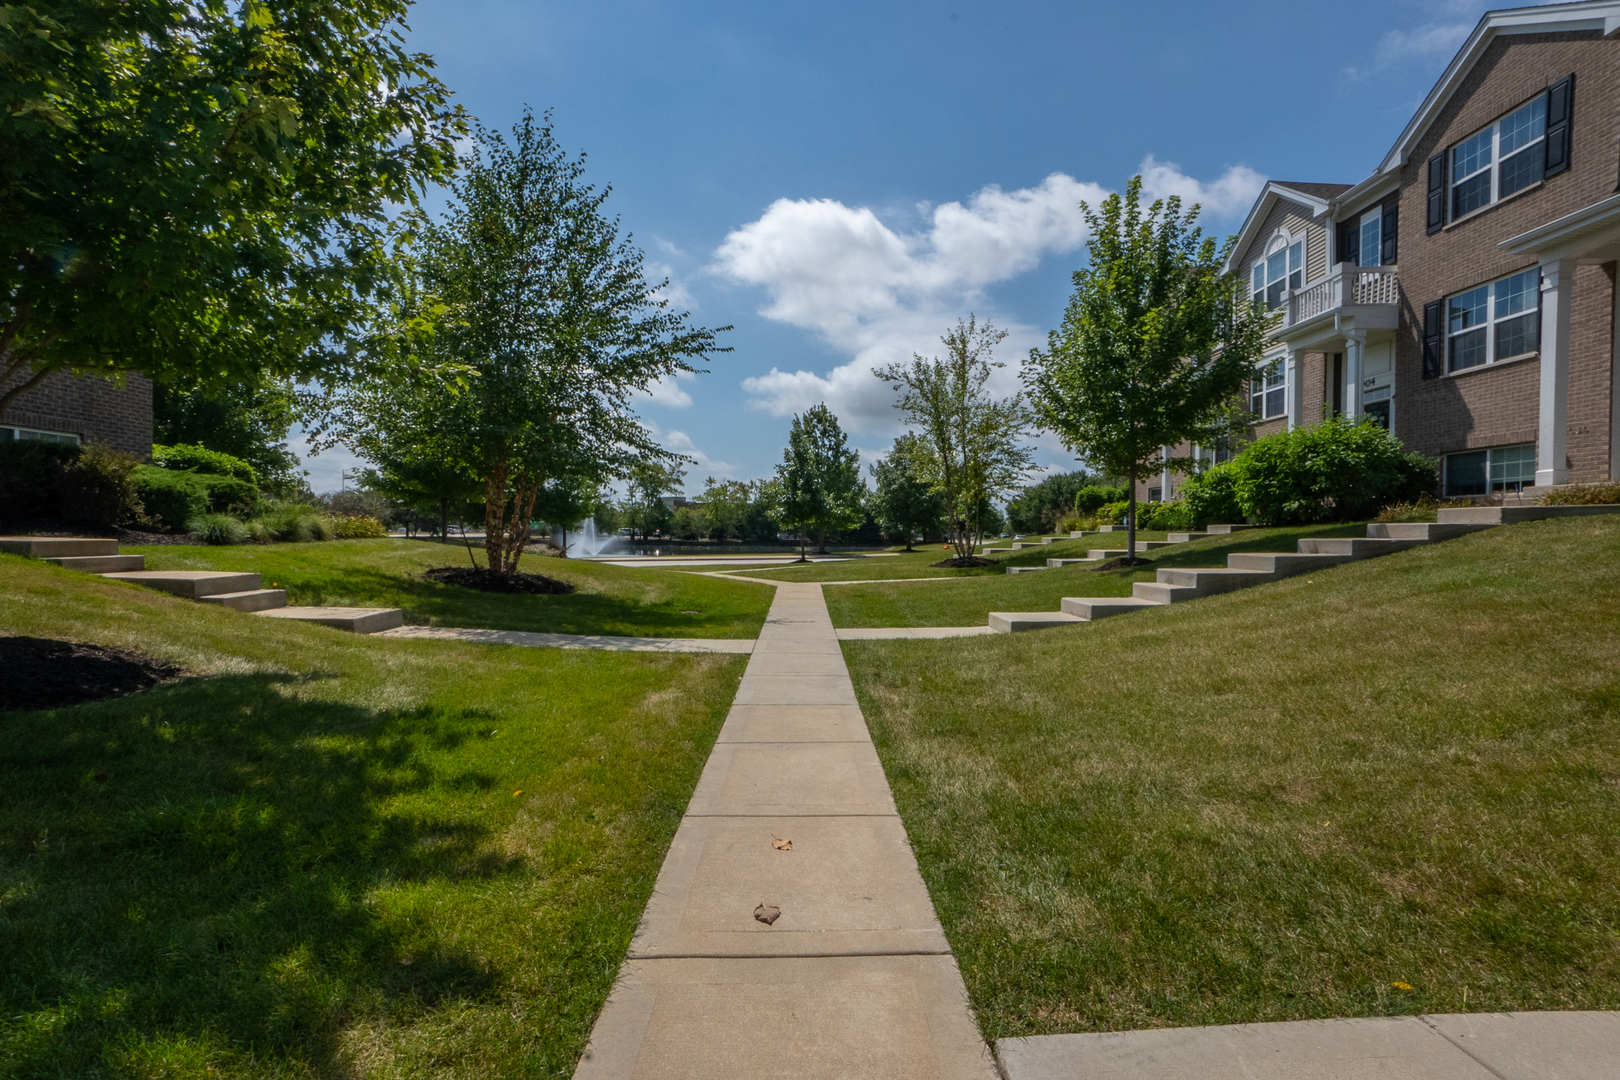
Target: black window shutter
column 1437, row 192
column 1349, row 242
column 1391, row 226
column 1560, row 110
column 1432, row 337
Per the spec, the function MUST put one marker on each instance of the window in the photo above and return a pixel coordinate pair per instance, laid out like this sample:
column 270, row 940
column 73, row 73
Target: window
column 1371, row 238
column 1505, row 468
column 1155, row 494
column 1506, row 157
column 1494, row 322
column 1268, row 392
column 9, row 434
column 1283, row 268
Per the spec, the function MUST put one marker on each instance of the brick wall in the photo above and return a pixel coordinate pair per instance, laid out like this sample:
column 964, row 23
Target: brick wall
column 95, row 409
column 1498, row 406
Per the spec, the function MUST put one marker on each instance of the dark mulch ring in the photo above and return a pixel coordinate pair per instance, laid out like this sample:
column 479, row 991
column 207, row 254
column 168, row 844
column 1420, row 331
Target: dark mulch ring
column 137, row 538
column 486, row 581
column 967, row 562
column 45, row 674
column 1122, row 563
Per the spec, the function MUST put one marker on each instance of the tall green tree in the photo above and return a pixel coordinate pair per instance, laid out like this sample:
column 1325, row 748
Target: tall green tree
column 725, row 506
column 566, row 501
column 198, row 190
column 821, row 477
column 649, row 482
column 968, row 441
column 903, row 501
column 553, row 325
column 1155, row 344
column 248, row 420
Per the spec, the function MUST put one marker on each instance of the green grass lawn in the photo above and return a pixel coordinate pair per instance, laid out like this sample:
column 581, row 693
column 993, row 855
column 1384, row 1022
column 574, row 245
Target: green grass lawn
column 969, row 602
column 320, row 854
column 919, row 563
column 1276, row 804
column 387, row 573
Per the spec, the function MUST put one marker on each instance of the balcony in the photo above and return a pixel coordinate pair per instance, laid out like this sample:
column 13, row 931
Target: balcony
column 1350, row 298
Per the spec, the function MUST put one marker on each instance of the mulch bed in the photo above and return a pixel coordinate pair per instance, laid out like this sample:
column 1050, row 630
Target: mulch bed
column 966, row 563
column 45, row 674
column 137, row 538
column 485, row 581
column 1122, row 563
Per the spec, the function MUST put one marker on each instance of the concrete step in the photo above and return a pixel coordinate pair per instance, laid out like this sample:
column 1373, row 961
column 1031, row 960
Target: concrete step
column 48, row 547
column 1421, row 530
column 1092, row 608
column 1110, row 528
column 1025, row 569
column 1282, row 564
column 1208, row 582
column 356, row 620
column 1057, row 564
column 1115, row 553
column 1357, row 547
column 1159, row 593
column 189, row 583
column 1225, row 530
column 251, row 600
column 996, row 551
column 99, row 564
column 1509, row 515
column 1016, row 622
column 1184, row 537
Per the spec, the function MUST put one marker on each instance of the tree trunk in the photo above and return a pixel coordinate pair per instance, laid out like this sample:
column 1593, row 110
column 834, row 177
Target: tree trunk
column 565, row 542
column 517, row 530
column 802, row 557
column 444, row 521
column 495, row 518
column 1130, row 518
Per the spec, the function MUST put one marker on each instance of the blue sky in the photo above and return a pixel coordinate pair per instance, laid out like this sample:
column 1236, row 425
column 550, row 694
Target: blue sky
column 841, row 181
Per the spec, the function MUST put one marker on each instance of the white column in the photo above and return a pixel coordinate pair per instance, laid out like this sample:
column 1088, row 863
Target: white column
column 1164, row 473
column 1296, row 388
column 1552, row 445
column 1355, row 348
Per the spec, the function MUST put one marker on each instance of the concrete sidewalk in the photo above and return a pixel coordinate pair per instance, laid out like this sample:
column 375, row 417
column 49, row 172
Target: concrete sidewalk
column 1461, row 1046
column 607, row 642
column 790, row 934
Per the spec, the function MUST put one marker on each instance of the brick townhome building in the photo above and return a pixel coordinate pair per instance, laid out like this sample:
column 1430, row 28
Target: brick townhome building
column 66, row 408
column 1464, row 293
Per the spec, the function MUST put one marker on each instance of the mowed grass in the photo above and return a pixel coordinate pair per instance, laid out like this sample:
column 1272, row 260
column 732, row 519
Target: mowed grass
column 969, row 602
column 610, row 599
column 919, row 563
column 1279, row 803
column 320, row 854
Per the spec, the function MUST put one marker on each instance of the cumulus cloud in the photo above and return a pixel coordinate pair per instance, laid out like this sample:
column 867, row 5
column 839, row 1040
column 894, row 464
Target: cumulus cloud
column 1432, row 41
column 667, row 391
column 878, row 294
column 703, row 465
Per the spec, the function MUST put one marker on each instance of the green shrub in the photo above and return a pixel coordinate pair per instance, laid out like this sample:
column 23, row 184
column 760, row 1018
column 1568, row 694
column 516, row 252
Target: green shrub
column 1163, row 516
column 1113, row 513
column 1091, row 500
column 360, row 527
column 292, row 523
column 88, row 485
column 1599, row 494
column 200, row 459
column 1334, row 471
column 1211, row 497
column 218, row 529
column 171, row 498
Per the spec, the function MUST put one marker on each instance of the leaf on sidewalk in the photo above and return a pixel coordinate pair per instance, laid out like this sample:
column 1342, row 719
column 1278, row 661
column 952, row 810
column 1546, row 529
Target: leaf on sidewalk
column 767, row 913
column 781, row 845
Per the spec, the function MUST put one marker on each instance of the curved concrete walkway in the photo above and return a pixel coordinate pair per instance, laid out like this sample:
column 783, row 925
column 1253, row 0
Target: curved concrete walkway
column 852, row 977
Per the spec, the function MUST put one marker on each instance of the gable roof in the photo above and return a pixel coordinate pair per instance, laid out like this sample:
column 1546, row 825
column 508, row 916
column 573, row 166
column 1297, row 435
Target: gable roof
column 1601, row 15
column 1316, row 197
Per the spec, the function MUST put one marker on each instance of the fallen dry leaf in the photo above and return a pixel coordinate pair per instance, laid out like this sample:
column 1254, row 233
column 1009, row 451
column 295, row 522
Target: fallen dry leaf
column 406, row 961
column 767, row 913
column 782, row 845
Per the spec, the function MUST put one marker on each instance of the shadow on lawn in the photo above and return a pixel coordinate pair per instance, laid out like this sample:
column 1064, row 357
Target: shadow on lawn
column 193, row 866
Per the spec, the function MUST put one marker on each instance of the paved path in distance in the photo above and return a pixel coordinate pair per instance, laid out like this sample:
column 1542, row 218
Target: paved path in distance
column 792, row 822
column 608, row 642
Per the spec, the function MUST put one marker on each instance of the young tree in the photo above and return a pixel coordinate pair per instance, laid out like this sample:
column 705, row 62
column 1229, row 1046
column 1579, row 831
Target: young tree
column 1155, row 343
column 903, row 501
column 820, row 478
column 553, row 324
column 725, row 507
column 649, row 482
column 566, row 501
column 968, row 441
column 198, row 190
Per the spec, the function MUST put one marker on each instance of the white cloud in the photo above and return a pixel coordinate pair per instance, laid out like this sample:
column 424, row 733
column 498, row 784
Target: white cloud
column 878, row 294
column 1429, row 42
column 704, row 465
column 667, row 391
column 672, row 289
column 1230, row 194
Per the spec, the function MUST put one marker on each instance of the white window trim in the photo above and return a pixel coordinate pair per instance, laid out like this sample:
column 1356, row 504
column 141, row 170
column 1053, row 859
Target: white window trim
column 1261, row 375
column 1489, row 452
column 1494, row 167
column 1490, row 324
column 1377, row 214
column 22, row 434
column 1288, row 241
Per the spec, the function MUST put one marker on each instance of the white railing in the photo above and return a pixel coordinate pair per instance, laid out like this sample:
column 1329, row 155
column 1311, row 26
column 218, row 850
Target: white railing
column 1346, row 285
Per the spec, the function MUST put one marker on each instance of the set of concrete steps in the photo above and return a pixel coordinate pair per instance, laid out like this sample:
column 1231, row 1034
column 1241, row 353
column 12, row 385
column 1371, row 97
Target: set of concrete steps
column 237, row 591
column 1246, row 569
